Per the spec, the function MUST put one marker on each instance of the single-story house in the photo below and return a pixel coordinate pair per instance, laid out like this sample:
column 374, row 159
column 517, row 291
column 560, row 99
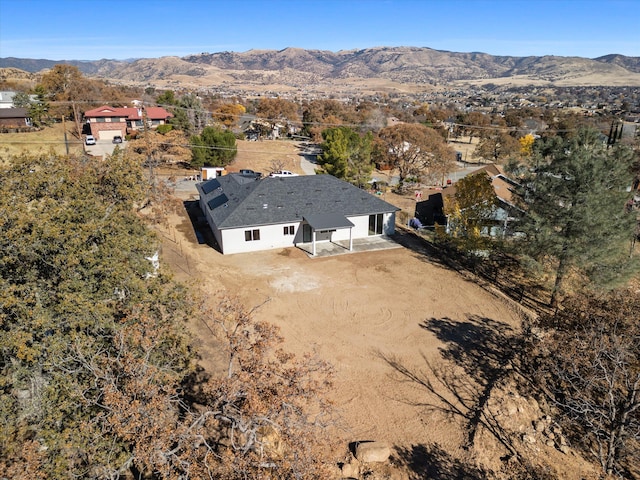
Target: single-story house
column 14, row 118
column 505, row 217
column 107, row 122
column 248, row 214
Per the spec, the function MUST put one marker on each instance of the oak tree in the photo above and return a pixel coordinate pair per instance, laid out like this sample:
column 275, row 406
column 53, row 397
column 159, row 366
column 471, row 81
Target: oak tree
column 75, row 282
column 97, row 372
column 496, row 146
column 277, row 111
column 414, row 150
column 472, row 206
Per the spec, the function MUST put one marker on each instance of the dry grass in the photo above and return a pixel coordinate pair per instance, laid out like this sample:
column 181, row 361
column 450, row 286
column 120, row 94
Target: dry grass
column 50, row 139
column 262, row 156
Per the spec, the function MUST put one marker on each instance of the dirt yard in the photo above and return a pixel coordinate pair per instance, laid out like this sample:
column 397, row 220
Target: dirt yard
column 371, row 314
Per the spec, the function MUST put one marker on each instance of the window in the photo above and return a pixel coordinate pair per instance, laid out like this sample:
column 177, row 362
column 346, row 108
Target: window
column 290, row 230
column 100, row 119
column 375, row 224
column 251, row 235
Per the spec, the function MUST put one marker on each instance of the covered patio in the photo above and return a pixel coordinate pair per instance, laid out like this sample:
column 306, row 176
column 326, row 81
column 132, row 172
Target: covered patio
column 342, row 247
column 325, row 223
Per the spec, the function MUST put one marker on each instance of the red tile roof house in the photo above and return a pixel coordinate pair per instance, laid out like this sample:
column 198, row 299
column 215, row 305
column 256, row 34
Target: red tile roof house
column 107, row 122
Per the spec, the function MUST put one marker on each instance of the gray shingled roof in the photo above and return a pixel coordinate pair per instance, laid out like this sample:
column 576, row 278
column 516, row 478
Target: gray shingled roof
column 326, row 221
column 238, row 201
column 14, row 113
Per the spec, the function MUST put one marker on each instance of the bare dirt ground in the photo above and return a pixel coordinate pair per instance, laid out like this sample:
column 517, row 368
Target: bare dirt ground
column 371, row 314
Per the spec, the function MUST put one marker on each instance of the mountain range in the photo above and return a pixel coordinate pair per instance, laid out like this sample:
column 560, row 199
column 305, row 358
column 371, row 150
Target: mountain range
column 296, row 68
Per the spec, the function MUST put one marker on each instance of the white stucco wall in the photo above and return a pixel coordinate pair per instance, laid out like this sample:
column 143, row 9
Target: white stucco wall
column 390, row 223
column 272, row 236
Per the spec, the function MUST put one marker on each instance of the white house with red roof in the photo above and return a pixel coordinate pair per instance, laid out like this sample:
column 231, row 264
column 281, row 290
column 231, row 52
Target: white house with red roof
column 107, row 122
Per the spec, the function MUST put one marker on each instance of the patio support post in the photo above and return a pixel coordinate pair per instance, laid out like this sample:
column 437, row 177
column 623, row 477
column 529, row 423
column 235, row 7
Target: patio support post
column 314, row 242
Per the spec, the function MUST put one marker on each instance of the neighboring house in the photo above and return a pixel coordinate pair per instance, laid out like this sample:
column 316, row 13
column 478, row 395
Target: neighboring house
column 107, row 122
column 504, row 218
column 7, row 97
column 256, row 128
column 248, row 214
column 14, row 118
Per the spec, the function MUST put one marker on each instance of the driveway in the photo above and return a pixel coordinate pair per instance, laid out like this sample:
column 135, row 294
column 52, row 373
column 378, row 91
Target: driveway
column 309, row 158
column 102, row 148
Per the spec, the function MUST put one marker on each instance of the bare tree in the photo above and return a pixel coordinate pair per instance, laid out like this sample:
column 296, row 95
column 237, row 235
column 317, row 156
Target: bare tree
column 589, row 365
column 267, row 407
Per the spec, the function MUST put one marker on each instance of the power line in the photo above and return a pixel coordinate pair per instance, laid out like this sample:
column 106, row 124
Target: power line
column 215, row 114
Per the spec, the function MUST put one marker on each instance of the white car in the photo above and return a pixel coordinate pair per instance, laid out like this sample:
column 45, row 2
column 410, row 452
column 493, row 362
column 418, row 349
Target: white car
column 283, row 173
column 90, row 140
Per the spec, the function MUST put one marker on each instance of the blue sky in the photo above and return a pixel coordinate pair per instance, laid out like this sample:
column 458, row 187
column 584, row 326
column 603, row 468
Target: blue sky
column 95, row 29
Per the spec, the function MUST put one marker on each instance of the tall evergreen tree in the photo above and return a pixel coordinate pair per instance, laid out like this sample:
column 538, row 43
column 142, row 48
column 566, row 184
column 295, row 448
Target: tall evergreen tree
column 575, row 199
column 213, row 147
column 39, row 108
column 347, row 155
column 188, row 114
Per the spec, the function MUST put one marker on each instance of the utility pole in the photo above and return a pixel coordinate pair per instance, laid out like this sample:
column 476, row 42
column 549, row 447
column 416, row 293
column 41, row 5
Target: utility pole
column 66, row 142
column 76, row 117
column 150, row 161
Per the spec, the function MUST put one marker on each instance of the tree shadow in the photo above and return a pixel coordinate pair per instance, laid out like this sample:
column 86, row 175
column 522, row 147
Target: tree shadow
column 479, row 356
column 486, row 351
column 432, row 462
column 497, row 269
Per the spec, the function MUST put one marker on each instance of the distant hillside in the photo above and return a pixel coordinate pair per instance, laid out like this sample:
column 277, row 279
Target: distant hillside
column 295, row 67
column 17, row 74
column 630, row 63
column 88, row 67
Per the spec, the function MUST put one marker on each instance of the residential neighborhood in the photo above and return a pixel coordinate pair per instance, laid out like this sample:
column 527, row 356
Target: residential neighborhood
column 324, row 260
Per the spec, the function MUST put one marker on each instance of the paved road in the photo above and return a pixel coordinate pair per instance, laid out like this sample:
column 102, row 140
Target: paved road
column 308, row 164
column 462, row 171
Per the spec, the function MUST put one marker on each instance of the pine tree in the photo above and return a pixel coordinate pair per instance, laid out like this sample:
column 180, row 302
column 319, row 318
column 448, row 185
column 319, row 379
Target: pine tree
column 347, row 155
column 575, row 199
